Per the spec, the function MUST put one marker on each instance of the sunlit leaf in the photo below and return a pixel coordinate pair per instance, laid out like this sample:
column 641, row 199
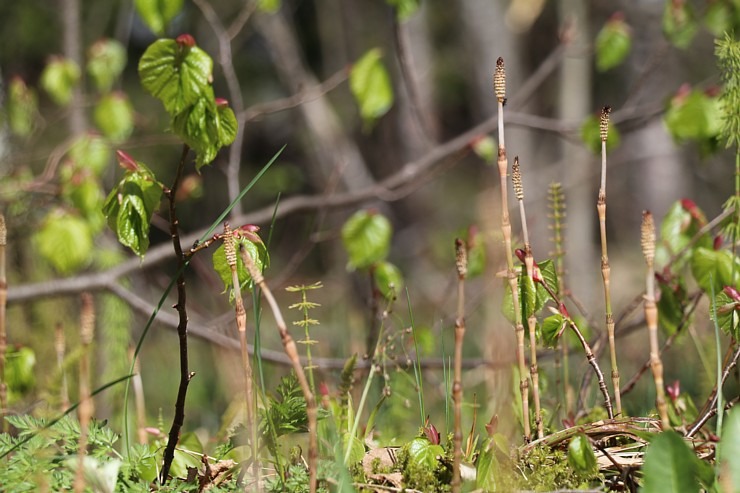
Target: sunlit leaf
column 613, row 43
column 176, row 72
column 158, row 13
column 366, row 237
column 114, row 116
column 59, row 78
column 206, row 127
column 728, row 314
column 187, row 455
column 679, row 24
column 19, row 371
column 22, row 107
column 106, row 60
column 670, row 465
column 90, row 151
column 100, row 476
column 388, row 279
column 694, row 116
column 65, row 241
column 552, row 328
column 423, row 453
column 713, row 269
column 581, row 455
column 371, row 86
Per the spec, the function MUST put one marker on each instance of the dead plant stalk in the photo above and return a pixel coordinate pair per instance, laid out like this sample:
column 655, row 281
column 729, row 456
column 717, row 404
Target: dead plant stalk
column 86, row 408
column 499, row 86
column 605, row 269
column 291, row 350
column 516, row 179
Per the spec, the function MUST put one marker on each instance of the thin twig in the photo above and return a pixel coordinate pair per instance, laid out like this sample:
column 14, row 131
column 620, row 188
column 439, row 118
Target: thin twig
column 3, row 328
column 182, row 326
column 461, row 262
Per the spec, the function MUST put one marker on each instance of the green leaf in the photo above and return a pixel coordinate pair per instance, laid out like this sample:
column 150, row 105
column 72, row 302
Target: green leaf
column 90, row 152
column 423, row 453
column 388, row 279
column 669, row 466
column 404, row 8
column 65, row 241
column 730, row 450
column 527, row 296
column 176, row 72
column 366, row 237
column 59, row 78
column 591, row 135
column 728, row 314
column 679, row 24
column 552, row 328
column 19, row 371
column 679, row 226
column 371, row 86
column 718, row 18
column 83, row 190
column 256, row 249
column 613, row 44
column 206, row 126
column 671, row 305
column 114, row 116
column 694, row 116
column 713, row 269
column 22, row 107
column 486, row 149
column 158, row 13
column 581, row 455
column 106, row 60
column 550, row 276
column 130, row 206
column 187, row 455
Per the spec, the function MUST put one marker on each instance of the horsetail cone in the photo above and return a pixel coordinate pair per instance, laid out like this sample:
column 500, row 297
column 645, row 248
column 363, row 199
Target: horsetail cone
column 516, row 179
column 647, row 237
column 229, row 246
column 499, row 80
column 461, row 258
column 604, row 123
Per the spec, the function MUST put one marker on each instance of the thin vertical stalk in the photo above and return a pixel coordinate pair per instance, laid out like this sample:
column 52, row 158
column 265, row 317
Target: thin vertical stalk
column 291, row 351
column 605, row 269
column 499, row 86
column 182, row 326
column 139, row 402
column 86, row 409
column 59, row 348
column 647, row 231
column 557, row 206
column 461, row 262
column 3, row 330
column 516, row 179
column 241, row 325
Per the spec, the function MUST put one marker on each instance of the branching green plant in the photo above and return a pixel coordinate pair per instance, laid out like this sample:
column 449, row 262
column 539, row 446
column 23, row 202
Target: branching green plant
column 306, row 322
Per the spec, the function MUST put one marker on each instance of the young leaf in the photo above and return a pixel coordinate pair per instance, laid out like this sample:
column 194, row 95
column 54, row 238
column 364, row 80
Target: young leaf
column 366, row 237
column 371, row 86
column 176, row 72
column 90, row 152
column 728, row 313
column 552, row 328
column 106, row 61
column 680, row 224
column 129, row 207
column 114, row 116
column 581, row 455
column 269, row 6
column 669, row 466
column 388, row 279
column 22, row 107
column 591, row 136
column 206, row 126
column 157, row 13
column 694, row 115
column 714, row 268
column 65, row 241
column 613, row 43
column 256, row 249
column 423, row 453
column 59, row 78
column 679, row 25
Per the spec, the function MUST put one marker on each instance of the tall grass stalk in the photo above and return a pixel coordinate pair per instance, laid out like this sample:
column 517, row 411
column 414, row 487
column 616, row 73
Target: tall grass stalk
column 3, row 330
column 516, row 179
column 499, row 86
column 417, row 364
column 461, row 262
column 291, row 350
column 605, row 268
column 647, row 231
